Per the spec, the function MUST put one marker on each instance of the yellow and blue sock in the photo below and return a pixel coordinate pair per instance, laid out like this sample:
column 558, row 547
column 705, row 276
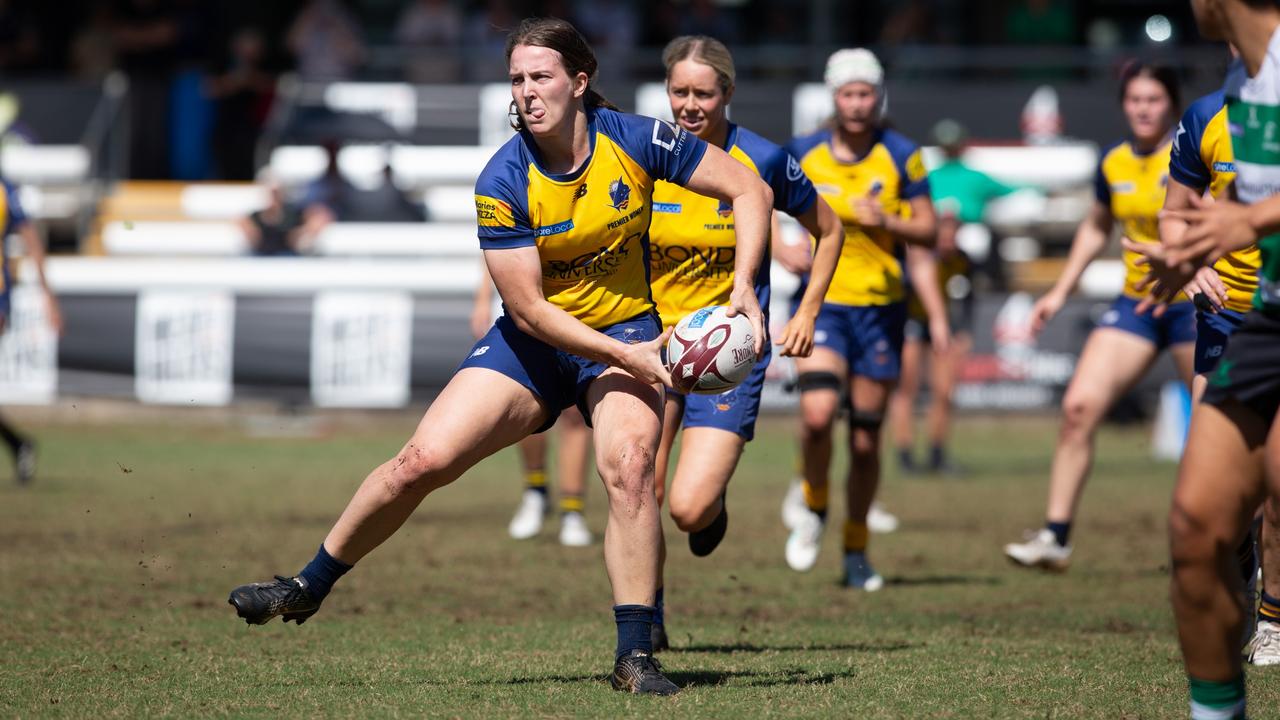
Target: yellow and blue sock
column 1269, row 609
column 634, row 622
column 815, row 496
column 322, row 572
column 1217, row 700
column 536, row 480
column 571, row 503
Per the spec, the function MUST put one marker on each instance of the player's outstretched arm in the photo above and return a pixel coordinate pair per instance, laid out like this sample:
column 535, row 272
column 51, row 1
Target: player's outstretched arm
column 1089, row 242
column 823, row 223
column 724, row 178
column 35, row 251
column 517, row 273
column 922, row 266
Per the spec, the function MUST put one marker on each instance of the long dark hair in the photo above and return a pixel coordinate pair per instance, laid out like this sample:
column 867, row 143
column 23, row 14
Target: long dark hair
column 575, row 53
column 1162, row 74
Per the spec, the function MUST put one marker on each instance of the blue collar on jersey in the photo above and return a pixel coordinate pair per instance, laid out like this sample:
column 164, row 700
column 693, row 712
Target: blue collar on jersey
column 876, row 137
column 532, row 146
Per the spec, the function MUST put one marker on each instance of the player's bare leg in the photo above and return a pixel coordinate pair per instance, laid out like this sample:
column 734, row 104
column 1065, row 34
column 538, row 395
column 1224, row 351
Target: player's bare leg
column 1220, row 484
column 534, row 504
column 943, row 372
column 626, row 416
column 707, row 460
column 673, row 415
column 902, row 406
column 821, row 379
column 1110, row 363
column 478, row 413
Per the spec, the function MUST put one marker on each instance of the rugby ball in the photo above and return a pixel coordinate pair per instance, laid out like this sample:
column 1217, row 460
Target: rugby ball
column 710, row 352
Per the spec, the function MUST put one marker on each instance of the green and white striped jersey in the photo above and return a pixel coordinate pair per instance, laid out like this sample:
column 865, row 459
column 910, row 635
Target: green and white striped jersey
column 1253, row 119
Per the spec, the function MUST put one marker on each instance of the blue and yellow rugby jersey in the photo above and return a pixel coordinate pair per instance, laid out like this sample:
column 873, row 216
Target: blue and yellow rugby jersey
column 1132, row 185
column 870, row 270
column 1202, row 159
column 591, row 226
column 11, row 218
column 692, row 240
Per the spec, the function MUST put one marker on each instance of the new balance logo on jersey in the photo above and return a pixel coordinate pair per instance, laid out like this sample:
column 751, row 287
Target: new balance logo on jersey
column 480, row 351
column 580, row 192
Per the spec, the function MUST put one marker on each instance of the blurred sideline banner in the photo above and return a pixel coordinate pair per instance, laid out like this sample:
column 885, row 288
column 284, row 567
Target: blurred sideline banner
column 28, row 351
column 391, row 332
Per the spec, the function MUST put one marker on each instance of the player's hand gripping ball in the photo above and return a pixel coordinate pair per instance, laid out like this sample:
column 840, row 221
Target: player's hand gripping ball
column 710, row 352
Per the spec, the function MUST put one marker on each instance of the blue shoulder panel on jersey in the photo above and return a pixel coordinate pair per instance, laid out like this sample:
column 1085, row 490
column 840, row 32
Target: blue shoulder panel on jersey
column 1186, row 165
column 901, row 149
column 665, row 151
column 804, row 144
column 1102, row 186
column 792, row 192
column 17, row 216
column 502, row 198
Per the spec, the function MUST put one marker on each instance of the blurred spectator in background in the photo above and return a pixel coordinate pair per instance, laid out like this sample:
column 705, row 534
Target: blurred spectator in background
column 243, row 91
column 1040, row 22
column 12, row 130
column 146, row 38
column 384, row 203
column 486, row 40
column 704, row 17
column 331, row 191
column 281, row 229
column 430, row 30
column 326, row 41
column 19, row 39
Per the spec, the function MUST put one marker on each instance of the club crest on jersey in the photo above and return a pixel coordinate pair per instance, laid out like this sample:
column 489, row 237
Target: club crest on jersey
column 619, row 194
column 725, row 209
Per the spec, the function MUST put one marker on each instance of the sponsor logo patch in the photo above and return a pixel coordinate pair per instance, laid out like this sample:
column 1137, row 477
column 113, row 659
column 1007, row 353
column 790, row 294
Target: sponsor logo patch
column 669, row 208
column 556, row 229
column 492, row 212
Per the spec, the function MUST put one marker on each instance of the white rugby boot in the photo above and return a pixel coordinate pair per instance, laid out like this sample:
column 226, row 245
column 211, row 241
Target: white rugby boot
column 794, row 507
column 1264, row 648
column 804, row 542
column 527, row 521
column 574, row 531
column 880, row 520
column 1040, row 550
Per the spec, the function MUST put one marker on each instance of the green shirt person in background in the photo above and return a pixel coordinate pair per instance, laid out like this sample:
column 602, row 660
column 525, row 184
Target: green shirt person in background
column 960, row 195
column 956, row 187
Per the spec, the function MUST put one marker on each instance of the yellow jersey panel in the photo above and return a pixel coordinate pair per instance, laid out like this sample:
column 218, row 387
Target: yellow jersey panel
column 591, row 227
column 1202, row 159
column 692, row 240
column 870, row 271
column 1133, row 185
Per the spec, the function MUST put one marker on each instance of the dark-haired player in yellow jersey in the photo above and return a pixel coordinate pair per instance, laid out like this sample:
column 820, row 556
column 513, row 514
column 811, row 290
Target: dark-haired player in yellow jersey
column 1130, row 189
column 691, row 259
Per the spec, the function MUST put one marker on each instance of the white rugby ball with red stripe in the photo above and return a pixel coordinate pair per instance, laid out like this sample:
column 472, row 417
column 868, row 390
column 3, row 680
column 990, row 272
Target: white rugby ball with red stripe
column 710, row 352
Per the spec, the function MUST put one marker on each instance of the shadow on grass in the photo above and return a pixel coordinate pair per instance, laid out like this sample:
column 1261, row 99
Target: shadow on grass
column 933, row 580
column 829, row 647
column 693, row 678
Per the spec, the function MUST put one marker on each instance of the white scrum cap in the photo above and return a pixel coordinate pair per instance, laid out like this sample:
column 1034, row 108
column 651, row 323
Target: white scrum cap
column 853, row 65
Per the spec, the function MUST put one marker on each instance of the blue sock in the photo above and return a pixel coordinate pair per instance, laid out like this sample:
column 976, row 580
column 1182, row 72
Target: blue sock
column 322, row 572
column 657, row 608
column 634, row 624
column 1061, row 532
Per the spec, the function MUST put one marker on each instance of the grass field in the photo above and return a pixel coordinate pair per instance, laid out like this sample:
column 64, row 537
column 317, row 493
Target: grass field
column 115, row 567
